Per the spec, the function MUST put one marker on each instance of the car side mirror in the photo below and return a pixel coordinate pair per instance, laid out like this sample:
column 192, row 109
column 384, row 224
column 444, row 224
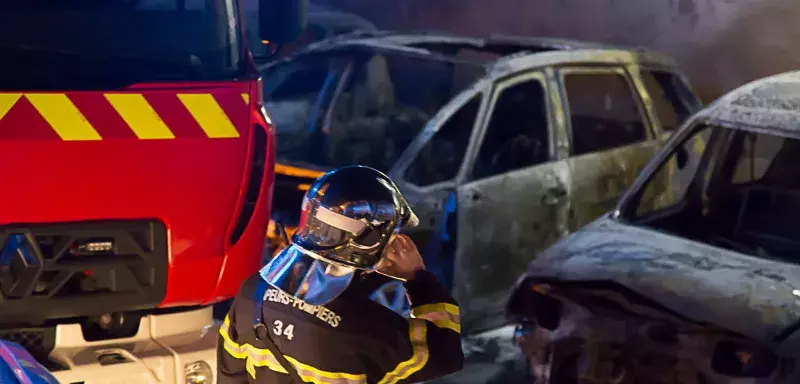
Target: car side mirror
column 282, row 21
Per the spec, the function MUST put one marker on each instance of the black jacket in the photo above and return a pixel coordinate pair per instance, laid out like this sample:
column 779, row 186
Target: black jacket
column 350, row 340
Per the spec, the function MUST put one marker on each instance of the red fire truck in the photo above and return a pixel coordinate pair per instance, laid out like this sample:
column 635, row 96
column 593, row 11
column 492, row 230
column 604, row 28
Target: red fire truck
column 138, row 172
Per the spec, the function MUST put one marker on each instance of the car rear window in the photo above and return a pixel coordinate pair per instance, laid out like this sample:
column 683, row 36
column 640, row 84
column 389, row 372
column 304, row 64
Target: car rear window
column 668, row 94
column 604, row 112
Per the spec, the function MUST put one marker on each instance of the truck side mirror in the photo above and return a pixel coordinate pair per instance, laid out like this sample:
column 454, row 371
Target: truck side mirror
column 282, row 21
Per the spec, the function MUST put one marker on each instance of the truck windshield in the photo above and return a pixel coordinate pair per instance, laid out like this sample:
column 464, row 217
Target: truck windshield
column 91, row 44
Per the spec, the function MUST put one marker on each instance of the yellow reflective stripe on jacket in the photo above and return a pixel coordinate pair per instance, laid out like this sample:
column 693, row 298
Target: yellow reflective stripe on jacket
column 443, row 315
column 418, row 336
column 258, row 357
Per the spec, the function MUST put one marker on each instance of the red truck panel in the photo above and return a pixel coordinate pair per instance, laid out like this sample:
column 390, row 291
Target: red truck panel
column 175, row 152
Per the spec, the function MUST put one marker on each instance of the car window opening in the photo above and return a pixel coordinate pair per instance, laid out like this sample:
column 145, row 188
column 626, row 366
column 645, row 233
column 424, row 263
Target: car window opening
column 441, row 157
column 517, row 135
column 672, row 100
column 731, row 188
column 604, row 113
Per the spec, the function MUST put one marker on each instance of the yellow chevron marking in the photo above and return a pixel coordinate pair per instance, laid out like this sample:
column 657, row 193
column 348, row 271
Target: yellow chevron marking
column 209, row 115
column 7, row 100
column 140, row 116
column 246, row 98
column 59, row 111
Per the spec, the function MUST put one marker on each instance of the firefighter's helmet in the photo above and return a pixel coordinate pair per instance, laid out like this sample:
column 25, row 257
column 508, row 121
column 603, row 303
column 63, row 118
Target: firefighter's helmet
column 348, row 217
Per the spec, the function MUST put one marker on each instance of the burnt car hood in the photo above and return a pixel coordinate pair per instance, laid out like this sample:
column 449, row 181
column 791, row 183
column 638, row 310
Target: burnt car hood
column 754, row 297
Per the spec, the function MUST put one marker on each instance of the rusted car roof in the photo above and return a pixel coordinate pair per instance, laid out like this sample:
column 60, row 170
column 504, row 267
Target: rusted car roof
column 515, row 51
column 770, row 105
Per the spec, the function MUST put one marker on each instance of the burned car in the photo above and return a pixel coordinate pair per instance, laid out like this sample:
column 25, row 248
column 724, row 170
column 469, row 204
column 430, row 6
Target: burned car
column 694, row 278
column 322, row 22
column 502, row 145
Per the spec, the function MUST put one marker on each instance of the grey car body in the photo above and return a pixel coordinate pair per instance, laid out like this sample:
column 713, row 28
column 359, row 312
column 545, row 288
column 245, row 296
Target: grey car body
column 716, row 257
column 480, row 222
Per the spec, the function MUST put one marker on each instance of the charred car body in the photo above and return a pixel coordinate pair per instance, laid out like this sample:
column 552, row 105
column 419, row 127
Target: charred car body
column 502, row 145
column 322, row 22
column 694, row 277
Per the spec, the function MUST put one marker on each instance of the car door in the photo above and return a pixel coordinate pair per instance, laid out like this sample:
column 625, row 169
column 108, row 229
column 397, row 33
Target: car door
column 429, row 170
column 611, row 138
column 512, row 200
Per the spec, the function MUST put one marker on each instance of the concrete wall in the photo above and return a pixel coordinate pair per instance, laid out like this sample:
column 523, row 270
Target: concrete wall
column 719, row 43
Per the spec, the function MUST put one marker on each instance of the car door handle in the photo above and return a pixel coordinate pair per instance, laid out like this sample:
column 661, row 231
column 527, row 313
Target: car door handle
column 554, row 196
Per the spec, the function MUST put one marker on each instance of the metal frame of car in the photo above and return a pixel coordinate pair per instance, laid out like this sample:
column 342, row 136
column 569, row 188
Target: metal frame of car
column 548, row 59
column 520, row 59
column 697, row 282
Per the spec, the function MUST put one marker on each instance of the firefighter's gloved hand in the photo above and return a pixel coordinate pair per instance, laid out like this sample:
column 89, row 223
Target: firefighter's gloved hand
column 402, row 259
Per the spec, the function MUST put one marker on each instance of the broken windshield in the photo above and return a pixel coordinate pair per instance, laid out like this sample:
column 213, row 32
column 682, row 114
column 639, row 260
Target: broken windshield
column 731, row 188
column 340, row 110
column 87, row 44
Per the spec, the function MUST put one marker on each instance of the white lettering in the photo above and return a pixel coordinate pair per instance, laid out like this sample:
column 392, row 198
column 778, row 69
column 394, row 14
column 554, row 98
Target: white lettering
column 289, row 331
column 318, row 311
column 279, row 330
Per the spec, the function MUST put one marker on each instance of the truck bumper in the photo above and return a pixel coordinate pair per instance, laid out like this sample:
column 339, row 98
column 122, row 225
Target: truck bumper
column 165, row 349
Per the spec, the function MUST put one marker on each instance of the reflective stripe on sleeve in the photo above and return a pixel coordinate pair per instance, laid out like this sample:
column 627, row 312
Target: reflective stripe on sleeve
column 417, row 334
column 257, row 357
column 443, row 315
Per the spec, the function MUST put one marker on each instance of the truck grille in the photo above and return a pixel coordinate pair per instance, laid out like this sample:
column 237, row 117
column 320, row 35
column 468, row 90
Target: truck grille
column 64, row 270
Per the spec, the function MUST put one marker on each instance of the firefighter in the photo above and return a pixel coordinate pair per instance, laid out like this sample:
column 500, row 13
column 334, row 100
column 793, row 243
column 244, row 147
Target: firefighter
column 307, row 315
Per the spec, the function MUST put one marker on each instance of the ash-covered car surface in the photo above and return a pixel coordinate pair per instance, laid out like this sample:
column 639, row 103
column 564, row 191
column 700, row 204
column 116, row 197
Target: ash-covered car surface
column 502, row 145
column 694, row 278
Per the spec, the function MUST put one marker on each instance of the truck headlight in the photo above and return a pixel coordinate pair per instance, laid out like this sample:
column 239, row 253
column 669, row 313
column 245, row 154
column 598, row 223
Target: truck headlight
column 198, row 372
